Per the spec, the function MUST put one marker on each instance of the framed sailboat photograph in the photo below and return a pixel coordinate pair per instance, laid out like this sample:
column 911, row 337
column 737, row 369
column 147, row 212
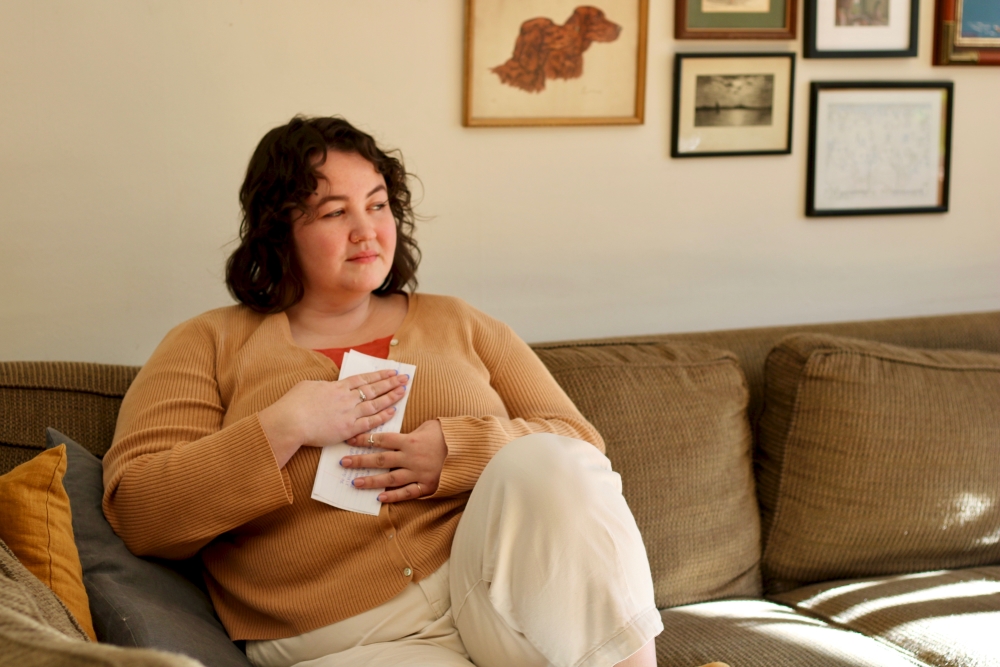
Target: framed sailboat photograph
column 732, row 104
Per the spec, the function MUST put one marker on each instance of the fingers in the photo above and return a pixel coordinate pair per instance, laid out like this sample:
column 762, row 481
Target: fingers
column 395, row 485
column 373, row 421
column 372, row 405
column 377, row 396
column 357, row 381
column 377, row 460
column 408, row 492
column 383, row 440
column 386, row 480
column 374, row 389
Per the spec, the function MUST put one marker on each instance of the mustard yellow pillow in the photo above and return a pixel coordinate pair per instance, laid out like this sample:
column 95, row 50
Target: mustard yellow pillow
column 37, row 525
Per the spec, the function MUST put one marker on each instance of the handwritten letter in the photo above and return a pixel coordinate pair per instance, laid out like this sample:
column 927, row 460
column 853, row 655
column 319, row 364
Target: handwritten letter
column 333, row 484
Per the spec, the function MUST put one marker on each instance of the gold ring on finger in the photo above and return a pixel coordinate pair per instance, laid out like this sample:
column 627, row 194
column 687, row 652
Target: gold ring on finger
column 363, row 397
column 420, row 491
column 371, row 438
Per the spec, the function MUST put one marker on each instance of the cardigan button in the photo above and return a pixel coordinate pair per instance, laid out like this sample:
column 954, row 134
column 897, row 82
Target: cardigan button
column 407, row 571
column 394, row 341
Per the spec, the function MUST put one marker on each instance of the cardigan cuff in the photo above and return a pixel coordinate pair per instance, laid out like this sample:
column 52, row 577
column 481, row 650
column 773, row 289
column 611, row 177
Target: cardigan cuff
column 470, row 448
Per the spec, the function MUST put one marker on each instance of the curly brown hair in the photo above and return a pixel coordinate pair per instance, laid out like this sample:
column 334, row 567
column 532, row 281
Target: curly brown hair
column 263, row 272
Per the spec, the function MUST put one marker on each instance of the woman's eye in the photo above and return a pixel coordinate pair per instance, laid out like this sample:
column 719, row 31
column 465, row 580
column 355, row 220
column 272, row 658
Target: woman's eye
column 334, row 214
column 379, row 207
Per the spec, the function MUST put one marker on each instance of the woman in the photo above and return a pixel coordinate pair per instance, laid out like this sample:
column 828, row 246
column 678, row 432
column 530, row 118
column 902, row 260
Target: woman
column 503, row 536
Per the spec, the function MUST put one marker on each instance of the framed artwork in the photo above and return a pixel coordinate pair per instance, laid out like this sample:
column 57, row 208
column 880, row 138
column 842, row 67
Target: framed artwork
column 734, row 19
column 861, row 28
column 732, row 104
column 878, row 147
column 555, row 62
column 967, row 32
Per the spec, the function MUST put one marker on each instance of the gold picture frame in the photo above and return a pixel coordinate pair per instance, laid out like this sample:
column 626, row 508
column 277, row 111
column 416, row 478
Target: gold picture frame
column 956, row 41
column 554, row 62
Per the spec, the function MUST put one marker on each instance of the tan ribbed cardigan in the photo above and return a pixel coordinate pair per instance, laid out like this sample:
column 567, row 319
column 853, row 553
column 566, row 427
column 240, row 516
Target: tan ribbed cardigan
column 190, row 468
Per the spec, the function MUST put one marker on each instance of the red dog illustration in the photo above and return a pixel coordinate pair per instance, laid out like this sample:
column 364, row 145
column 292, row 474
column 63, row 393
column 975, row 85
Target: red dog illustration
column 545, row 50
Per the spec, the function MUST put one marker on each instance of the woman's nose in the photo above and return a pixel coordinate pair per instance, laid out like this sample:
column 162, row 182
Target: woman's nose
column 364, row 230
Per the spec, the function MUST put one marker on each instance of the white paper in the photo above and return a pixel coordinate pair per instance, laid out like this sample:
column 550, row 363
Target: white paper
column 879, row 149
column 333, row 483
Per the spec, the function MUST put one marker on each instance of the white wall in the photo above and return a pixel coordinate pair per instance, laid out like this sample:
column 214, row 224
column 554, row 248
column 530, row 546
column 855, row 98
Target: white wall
column 125, row 127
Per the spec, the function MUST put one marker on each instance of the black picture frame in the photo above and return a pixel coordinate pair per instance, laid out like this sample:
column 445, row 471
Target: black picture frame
column 811, row 25
column 781, row 110
column 815, row 203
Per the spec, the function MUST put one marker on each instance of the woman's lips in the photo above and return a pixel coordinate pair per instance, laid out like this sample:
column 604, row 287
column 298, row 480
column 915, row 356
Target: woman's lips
column 363, row 257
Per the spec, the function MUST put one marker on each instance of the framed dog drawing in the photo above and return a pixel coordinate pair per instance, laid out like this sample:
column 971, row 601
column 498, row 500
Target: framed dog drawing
column 555, row 62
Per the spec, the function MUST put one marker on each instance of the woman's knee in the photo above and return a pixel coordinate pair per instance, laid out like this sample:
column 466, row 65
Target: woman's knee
column 546, row 463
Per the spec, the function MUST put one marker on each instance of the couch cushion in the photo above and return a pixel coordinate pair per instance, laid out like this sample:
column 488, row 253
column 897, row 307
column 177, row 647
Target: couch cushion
column 135, row 601
column 674, row 420
column 757, row 633
column 968, row 331
column 876, row 459
column 36, row 629
column 77, row 398
column 948, row 618
column 35, row 522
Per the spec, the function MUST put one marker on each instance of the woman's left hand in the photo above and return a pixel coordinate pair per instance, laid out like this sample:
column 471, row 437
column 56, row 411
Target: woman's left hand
column 415, row 460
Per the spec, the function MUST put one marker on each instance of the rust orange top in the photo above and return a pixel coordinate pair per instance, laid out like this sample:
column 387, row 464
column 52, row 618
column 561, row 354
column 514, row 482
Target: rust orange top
column 376, row 348
column 190, row 469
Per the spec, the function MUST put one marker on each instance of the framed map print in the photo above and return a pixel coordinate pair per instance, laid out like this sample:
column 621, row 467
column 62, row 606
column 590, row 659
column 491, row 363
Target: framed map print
column 878, row 147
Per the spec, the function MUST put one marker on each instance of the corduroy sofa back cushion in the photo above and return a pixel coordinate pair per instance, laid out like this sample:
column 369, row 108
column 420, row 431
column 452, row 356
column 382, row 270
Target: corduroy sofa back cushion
column 674, row 421
column 877, row 459
column 77, row 398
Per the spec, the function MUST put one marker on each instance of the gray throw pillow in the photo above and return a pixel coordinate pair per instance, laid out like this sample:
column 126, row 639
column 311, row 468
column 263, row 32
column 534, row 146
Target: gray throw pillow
column 135, row 601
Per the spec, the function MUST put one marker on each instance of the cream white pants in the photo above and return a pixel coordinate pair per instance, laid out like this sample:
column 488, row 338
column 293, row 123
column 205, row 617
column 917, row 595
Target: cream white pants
column 547, row 568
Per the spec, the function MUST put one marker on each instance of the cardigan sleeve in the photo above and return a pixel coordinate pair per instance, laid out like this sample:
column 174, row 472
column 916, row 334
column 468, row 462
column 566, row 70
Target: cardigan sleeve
column 535, row 404
column 174, row 478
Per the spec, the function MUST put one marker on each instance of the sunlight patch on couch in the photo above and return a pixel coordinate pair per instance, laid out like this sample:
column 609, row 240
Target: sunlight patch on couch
column 964, row 589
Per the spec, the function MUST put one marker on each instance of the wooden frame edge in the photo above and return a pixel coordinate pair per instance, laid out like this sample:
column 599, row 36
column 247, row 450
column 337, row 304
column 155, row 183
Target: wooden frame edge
column 467, row 67
column 638, row 110
column 788, row 31
column 945, row 51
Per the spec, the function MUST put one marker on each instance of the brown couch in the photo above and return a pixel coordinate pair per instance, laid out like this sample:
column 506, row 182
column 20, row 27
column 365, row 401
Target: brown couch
column 836, row 505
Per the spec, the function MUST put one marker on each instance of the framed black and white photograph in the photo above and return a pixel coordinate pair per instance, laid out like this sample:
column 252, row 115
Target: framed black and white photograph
column 861, row 28
column 732, row 104
column 878, row 147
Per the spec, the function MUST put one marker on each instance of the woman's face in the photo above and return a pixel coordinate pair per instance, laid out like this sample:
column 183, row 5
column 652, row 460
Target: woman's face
column 346, row 242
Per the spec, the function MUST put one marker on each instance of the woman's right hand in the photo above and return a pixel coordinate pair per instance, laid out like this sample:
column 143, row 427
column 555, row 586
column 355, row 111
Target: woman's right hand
column 318, row 413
